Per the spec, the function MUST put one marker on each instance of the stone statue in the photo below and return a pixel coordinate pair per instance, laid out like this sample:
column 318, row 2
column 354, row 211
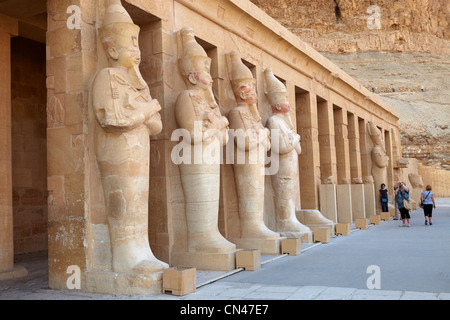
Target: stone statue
column 250, row 137
column 197, row 112
column 287, row 149
column 380, row 160
column 416, row 180
column 126, row 116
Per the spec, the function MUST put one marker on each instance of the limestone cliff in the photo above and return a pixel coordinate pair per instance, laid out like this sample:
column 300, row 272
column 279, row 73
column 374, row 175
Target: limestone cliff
column 349, row 25
column 408, row 49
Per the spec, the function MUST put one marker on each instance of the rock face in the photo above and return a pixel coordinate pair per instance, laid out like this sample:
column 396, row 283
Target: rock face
column 350, row 26
column 424, row 115
column 405, row 61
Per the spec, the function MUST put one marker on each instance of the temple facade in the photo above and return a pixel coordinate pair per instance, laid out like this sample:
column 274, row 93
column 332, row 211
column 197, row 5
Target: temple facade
column 87, row 136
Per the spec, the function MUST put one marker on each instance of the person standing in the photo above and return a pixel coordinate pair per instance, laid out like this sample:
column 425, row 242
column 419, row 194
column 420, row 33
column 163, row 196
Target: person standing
column 404, row 195
column 384, row 198
column 397, row 199
column 427, row 199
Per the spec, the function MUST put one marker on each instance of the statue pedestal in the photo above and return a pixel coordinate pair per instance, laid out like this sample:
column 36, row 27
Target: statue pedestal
column 124, row 284
column 271, row 247
column 305, row 237
column 328, row 204
column 369, row 200
column 358, row 202
column 223, row 261
column 16, row 273
column 314, row 219
column 344, row 203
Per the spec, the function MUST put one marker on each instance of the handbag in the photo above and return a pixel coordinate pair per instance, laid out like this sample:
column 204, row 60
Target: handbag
column 407, row 204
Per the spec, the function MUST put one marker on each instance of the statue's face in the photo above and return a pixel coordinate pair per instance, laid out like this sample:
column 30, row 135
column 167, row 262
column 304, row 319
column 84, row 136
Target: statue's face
column 280, row 102
column 202, row 78
column 247, row 92
column 129, row 57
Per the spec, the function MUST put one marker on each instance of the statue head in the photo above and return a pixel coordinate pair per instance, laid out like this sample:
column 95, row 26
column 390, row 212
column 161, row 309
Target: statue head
column 194, row 64
column 120, row 39
column 416, row 180
column 242, row 80
column 375, row 134
column 276, row 93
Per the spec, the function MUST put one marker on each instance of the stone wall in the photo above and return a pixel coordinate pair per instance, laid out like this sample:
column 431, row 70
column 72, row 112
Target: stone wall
column 29, row 151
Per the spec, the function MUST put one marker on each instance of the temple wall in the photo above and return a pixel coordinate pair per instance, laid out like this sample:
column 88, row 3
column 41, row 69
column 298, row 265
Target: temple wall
column 331, row 112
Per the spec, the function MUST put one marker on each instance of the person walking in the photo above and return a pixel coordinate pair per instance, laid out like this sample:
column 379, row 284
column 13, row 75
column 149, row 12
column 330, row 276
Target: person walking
column 427, row 200
column 404, row 195
column 384, row 198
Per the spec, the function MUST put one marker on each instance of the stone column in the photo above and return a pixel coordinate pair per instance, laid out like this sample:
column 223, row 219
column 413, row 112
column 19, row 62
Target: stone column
column 8, row 28
column 309, row 159
column 328, row 171
column 358, row 201
column 326, row 141
column 344, row 193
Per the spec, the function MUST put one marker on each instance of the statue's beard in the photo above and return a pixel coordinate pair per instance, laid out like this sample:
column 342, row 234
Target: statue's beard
column 136, row 78
column 254, row 111
column 287, row 119
column 209, row 95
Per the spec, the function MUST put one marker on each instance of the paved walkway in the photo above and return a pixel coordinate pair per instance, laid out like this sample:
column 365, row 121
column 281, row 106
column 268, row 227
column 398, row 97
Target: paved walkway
column 414, row 264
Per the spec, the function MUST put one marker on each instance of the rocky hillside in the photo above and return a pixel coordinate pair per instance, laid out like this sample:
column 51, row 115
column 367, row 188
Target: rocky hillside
column 410, row 50
column 360, row 25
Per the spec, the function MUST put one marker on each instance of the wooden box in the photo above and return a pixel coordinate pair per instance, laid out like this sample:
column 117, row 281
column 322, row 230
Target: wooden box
column 180, row 281
column 385, row 216
column 343, row 229
column 321, row 235
column 291, row 246
column 375, row 220
column 361, row 224
column 249, row 259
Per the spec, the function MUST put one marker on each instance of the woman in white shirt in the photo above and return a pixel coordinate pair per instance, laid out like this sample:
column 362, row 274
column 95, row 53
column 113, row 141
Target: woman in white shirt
column 427, row 199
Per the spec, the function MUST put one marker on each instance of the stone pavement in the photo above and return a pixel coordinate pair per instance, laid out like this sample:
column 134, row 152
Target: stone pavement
column 414, row 264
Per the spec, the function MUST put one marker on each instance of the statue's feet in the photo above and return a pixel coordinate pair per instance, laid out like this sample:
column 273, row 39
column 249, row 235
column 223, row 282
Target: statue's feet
column 257, row 230
column 211, row 242
column 149, row 266
column 290, row 225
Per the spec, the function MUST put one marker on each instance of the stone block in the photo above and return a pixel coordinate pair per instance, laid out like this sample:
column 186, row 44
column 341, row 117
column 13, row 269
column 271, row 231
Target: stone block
column 249, row 259
column 291, row 246
column 375, row 220
column 180, row 281
column 361, row 224
column 328, row 202
column 343, row 229
column 344, row 203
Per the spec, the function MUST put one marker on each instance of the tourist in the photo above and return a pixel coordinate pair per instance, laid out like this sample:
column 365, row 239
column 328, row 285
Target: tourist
column 404, row 195
column 397, row 199
column 384, row 198
column 427, row 200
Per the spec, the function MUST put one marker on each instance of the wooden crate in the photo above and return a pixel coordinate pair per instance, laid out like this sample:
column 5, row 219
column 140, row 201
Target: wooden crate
column 180, row 281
